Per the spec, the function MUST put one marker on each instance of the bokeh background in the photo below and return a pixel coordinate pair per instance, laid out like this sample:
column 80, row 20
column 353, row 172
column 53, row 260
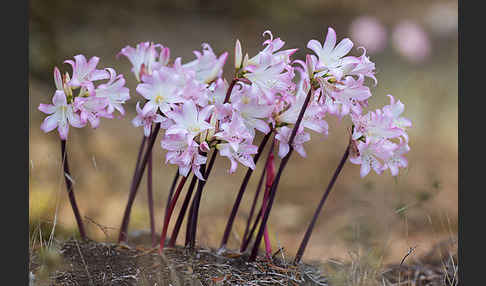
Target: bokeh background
column 414, row 45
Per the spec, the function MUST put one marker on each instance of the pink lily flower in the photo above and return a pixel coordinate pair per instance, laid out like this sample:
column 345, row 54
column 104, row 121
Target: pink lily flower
column 143, row 57
column 368, row 154
column 189, row 121
column 84, row 72
column 91, row 109
column 234, row 132
column 397, row 160
column 114, row 91
column 207, row 66
column 331, row 56
column 146, row 116
column 160, row 90
column 62, row 115
column 242, row 154
column 283, row 136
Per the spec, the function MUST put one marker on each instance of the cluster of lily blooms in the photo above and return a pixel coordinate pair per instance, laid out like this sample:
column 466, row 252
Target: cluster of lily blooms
column 198, row 110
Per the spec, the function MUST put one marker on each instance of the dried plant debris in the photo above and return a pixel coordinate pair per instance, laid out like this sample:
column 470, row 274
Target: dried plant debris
column 96, row 263
column 93, row 263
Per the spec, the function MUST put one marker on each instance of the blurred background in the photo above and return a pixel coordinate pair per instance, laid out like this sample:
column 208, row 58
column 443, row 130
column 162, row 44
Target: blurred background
column 414, row 45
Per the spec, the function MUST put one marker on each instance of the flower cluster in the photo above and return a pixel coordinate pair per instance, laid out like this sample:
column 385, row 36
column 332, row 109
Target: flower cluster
column 77, row 101
column 199, row 110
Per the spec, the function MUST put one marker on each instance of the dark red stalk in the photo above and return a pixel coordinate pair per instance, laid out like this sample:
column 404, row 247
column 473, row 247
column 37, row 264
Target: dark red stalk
column 182, row 212
column 172, row 188
column 308, row 232
column 246, row 237
column 273, row 190
column 245, row 241
column 70, row 190
column 270, row 177
column 169, row 213
column 252, row 231
column 151, row 200
column 246, row 179
column 197, row 198
column 122, row 237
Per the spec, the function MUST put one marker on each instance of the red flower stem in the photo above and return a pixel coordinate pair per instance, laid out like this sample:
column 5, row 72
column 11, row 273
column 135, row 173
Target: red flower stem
column 246, row 240
column 270, row 177
column 151, row 199
column 169, row 213
column 70, row 190
column 308, row 232
column 273, row 190
column 230, row 89
column 122, row 237
column 246, row 237
column 252, row 231
column 172, row 188
column 236, row 204
column 200, row 187
column 182, row 212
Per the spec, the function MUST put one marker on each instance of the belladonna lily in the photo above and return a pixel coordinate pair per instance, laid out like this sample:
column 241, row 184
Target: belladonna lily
column 143, row 57
column 159, row 90
column 251, row 111
column 331, row 56
column 242, row 154
column 114, row 91
column 189, row 121
column 370, row 155
column 283, row 136
column 234, row 132
column 84, row 72
column 207, row 66
column 146, row 117
column 62, row 115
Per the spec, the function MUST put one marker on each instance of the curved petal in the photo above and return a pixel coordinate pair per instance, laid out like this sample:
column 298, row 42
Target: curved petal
column 49, row 123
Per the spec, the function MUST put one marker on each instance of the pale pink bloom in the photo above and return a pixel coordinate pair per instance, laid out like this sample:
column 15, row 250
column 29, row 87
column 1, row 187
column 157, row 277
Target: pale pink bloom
column 217, row 91
column 271, row 79
column 283, row 136
column 114, row 91
column 234, row 132
column 313, row 116
column 375, row 126
column 187, row 86
column 91, row 109
column 62, row 115
column 159, row 89
column 411, row 41
column 348, row 96
column 242, row 154
column 184, row 153
column 369, row 32
column 394, row 110
column 143, row 57
column 252, row 112
column 397, row 160
column 362, row 67
column 207, row 66
column 84, row 72
column 271, row 50
column 370, row 155
column 146, row 116
column 331, row 56
column 164, row 57
column 189, row 121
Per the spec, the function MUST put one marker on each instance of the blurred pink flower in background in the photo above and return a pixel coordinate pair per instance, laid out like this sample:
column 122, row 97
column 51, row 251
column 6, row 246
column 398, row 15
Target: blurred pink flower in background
column 411, row 41
column 442, row 19
column 369, row 32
